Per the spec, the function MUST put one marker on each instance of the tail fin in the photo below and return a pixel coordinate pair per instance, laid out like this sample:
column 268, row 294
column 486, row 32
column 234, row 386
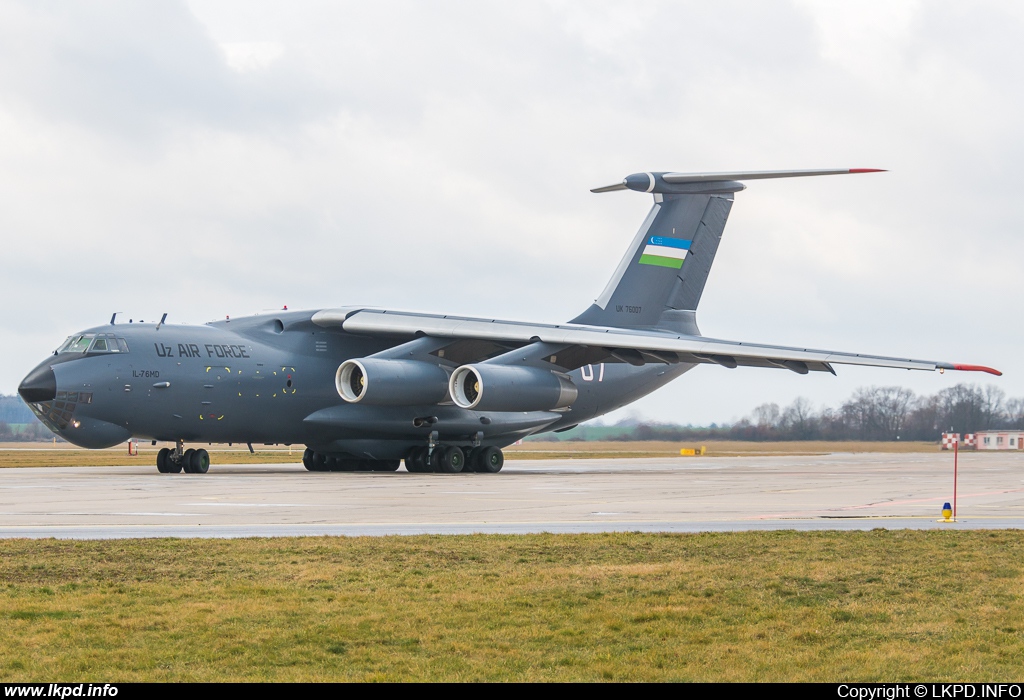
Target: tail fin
column 661, row 277
column 659, row 281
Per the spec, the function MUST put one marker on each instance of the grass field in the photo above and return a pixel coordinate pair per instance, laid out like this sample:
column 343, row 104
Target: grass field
column 64, row 455
column 826, row 606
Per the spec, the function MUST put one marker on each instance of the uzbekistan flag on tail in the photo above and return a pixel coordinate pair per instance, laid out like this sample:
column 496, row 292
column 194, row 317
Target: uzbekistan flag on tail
column 665, row 252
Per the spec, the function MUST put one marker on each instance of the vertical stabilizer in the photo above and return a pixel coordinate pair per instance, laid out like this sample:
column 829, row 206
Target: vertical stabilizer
column 660, row 279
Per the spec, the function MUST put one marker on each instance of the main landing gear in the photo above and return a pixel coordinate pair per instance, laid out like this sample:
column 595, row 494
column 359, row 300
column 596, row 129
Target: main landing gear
column 452, row 460
column 190, row 461
column 320, row 462
column 443, row 459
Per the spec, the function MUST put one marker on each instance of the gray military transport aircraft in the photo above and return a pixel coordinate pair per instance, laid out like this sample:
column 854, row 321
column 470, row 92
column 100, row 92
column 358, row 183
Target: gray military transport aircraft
column 364, row 388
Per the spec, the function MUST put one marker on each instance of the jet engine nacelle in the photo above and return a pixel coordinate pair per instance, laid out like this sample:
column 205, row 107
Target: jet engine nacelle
column 379, row 382
column 487, row 387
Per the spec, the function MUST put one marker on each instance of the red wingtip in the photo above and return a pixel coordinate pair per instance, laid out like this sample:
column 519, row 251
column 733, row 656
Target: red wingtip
column 978, row 368
column 868, row 170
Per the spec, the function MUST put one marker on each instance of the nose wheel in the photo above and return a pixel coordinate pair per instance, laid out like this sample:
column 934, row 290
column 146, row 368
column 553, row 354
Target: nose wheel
column 164, row 463
column 175, row 461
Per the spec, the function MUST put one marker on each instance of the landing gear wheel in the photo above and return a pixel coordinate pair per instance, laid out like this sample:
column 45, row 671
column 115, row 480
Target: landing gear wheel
column 416, row 462
column 451, row 461
column 319, row 462
column 200, row 462
column 386, row 465
column 490, row 461
column 307, row 460
column 340, row 464
column 162, row 460
column 186, row 460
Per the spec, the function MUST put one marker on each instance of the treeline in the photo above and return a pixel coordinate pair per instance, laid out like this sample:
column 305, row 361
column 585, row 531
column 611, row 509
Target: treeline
column 14, row 410
column 871, row 413
column 25, row 432
column 18, row 424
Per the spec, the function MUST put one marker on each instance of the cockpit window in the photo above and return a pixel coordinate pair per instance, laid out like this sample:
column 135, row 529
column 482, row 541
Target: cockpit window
column 93, row 344
column 78, row 344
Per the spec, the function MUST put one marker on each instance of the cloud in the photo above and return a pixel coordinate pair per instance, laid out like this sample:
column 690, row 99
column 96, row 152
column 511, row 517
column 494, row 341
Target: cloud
column 141, row 73
column 225, row 157
column 248, row 56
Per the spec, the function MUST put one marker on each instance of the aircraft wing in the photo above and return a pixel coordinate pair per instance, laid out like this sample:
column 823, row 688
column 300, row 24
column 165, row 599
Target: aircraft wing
column 575, row 345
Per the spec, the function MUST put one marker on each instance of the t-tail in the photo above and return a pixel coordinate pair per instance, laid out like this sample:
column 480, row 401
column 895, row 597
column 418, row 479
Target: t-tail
column 660, row 280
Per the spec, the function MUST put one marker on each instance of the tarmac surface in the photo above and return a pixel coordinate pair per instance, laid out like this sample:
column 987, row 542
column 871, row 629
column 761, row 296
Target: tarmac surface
column 681, row 494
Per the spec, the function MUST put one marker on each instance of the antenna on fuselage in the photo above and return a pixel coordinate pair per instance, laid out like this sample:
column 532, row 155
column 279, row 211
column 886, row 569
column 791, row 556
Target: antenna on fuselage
column 162, row 319
column 114, row 316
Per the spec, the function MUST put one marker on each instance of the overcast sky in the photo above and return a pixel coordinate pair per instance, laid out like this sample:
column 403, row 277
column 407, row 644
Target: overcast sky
column 213, row 158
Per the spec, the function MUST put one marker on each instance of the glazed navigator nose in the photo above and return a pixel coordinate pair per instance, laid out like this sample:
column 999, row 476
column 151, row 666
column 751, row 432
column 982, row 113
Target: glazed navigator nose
column 40, row 385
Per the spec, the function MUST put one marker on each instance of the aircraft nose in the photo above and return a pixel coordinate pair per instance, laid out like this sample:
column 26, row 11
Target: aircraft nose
column 40, row 385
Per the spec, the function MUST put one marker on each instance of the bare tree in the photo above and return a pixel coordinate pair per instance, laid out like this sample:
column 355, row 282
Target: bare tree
column 892, row 408
column 993, row 400
column 966, row 408
column 767, row 415
column 1015, row 413
column 878, row 413
column 858, row 413
column 799, row 419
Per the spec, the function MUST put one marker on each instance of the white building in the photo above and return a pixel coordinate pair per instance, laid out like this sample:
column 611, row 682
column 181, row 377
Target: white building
column 1000, row 440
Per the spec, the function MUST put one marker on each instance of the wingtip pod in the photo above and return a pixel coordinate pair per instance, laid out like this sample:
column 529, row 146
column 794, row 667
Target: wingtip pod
column 968, row 368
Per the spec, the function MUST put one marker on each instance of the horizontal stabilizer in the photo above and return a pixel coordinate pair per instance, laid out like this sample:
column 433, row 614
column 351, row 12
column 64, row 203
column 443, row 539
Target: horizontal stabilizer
column 692, row 182
column 762, row 174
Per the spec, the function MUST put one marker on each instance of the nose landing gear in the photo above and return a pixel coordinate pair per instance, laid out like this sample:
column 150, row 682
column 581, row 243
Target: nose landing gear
column 175, row 461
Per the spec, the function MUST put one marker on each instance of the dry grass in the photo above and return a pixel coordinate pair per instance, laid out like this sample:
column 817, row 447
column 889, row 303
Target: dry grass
column 64, row 455
column 715, row 448
column 772, row 606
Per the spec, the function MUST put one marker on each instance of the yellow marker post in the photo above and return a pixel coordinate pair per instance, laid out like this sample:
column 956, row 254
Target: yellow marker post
column 947, row 514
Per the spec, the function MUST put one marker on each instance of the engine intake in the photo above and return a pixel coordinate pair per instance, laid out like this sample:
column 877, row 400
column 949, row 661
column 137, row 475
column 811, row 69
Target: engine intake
column 486, row 387
column 379, row 382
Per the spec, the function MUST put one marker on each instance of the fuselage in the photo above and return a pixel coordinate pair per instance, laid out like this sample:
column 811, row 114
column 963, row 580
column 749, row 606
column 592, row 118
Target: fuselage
column 270, row 379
